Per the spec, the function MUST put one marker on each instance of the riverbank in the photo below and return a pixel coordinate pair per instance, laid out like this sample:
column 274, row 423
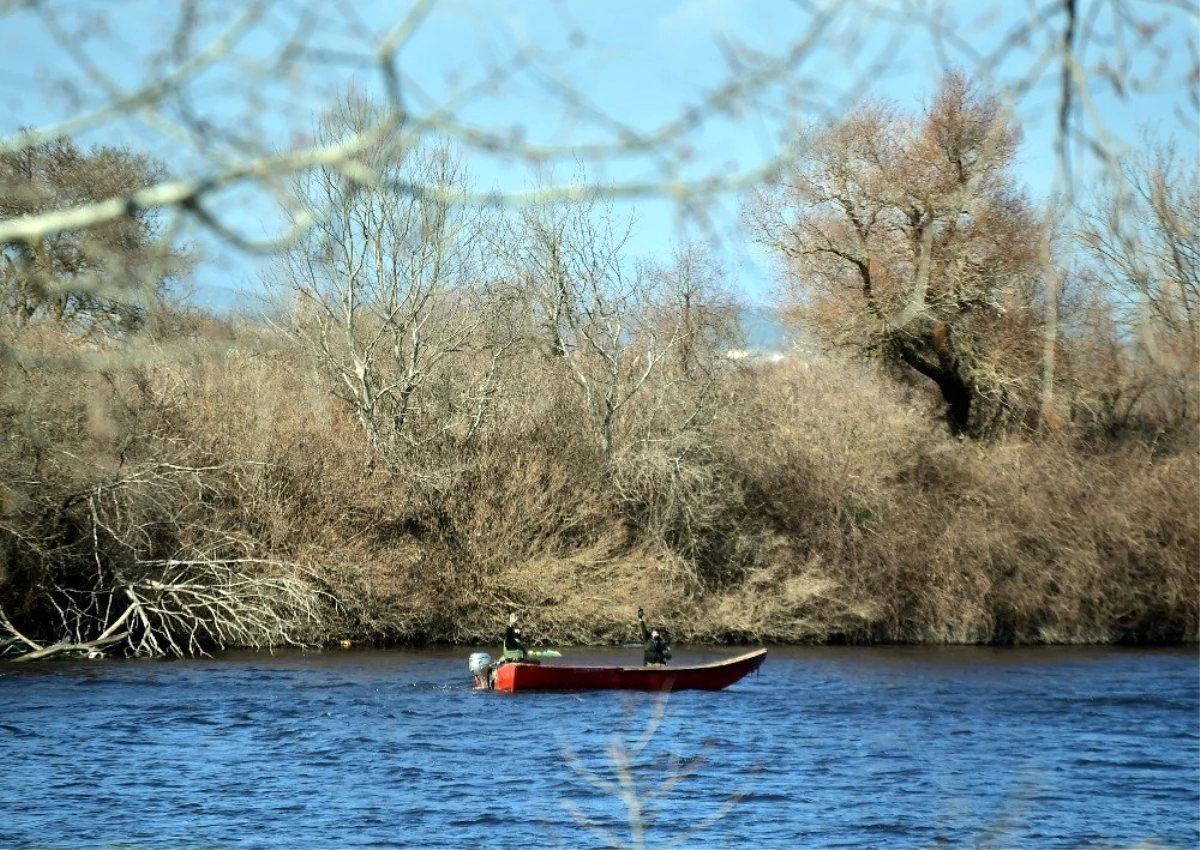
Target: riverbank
column 230, row 495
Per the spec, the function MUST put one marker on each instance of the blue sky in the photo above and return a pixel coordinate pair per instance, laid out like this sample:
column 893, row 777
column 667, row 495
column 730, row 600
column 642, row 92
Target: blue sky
column 636, row 63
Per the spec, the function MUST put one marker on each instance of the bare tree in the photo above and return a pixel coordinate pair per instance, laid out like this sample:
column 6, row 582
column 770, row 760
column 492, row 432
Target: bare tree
column 630, row 776
column 387, row 287
column 668, row 479
column 909, row 240
column 299, row 46
column 593, row 305
column 1100, row 377
column 88, row 279
column 697, row 292
column 1143, row 236
column 694, row 305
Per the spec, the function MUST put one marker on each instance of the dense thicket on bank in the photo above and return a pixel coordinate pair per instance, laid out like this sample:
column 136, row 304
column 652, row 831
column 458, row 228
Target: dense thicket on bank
column 447, row 414
column 819, row 505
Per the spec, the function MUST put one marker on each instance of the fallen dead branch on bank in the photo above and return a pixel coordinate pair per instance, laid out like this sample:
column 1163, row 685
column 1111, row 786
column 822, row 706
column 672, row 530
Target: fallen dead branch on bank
column 35, row 651
column 192, row 607
column 221, row 603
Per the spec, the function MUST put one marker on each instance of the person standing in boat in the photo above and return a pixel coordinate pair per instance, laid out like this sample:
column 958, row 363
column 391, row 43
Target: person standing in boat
column 656, row 651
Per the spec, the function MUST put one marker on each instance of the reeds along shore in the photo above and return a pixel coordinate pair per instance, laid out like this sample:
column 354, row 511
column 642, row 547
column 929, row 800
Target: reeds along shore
column 206, row 470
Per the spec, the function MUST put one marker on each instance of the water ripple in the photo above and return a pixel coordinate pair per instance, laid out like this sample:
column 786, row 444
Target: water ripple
column 829, row 748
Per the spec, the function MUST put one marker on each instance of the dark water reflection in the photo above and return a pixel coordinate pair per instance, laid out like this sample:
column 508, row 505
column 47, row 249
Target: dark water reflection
column 833, row 747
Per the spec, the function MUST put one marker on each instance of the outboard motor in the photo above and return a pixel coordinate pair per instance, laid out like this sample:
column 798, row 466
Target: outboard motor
column 480, row 665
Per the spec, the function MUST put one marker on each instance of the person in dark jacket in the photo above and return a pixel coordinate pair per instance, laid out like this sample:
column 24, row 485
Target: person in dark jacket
column 656, row 651
column 514, row 648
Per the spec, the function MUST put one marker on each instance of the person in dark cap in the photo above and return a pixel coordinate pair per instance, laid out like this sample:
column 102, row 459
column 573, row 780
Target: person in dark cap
column 656, row 651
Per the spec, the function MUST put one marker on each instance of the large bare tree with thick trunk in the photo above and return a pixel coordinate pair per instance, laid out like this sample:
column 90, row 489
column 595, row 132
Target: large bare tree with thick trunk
column 908, row 239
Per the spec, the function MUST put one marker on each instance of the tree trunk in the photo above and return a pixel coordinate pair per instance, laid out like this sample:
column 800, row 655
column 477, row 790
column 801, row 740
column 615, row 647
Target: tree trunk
column 1049, row 346
column 945, row 370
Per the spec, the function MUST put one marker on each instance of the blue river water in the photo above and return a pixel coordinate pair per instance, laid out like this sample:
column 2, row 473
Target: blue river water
column 824, row 747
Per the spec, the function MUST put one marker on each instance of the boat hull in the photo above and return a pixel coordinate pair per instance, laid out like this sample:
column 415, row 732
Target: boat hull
column 561, row 677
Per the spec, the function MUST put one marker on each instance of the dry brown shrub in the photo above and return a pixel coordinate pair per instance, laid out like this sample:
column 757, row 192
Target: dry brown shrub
column 876, row 527
column 122, row 517
column 1043, row 542
column 812, row 502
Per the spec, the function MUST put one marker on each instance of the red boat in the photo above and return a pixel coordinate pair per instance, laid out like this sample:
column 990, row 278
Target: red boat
column 560, row 677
